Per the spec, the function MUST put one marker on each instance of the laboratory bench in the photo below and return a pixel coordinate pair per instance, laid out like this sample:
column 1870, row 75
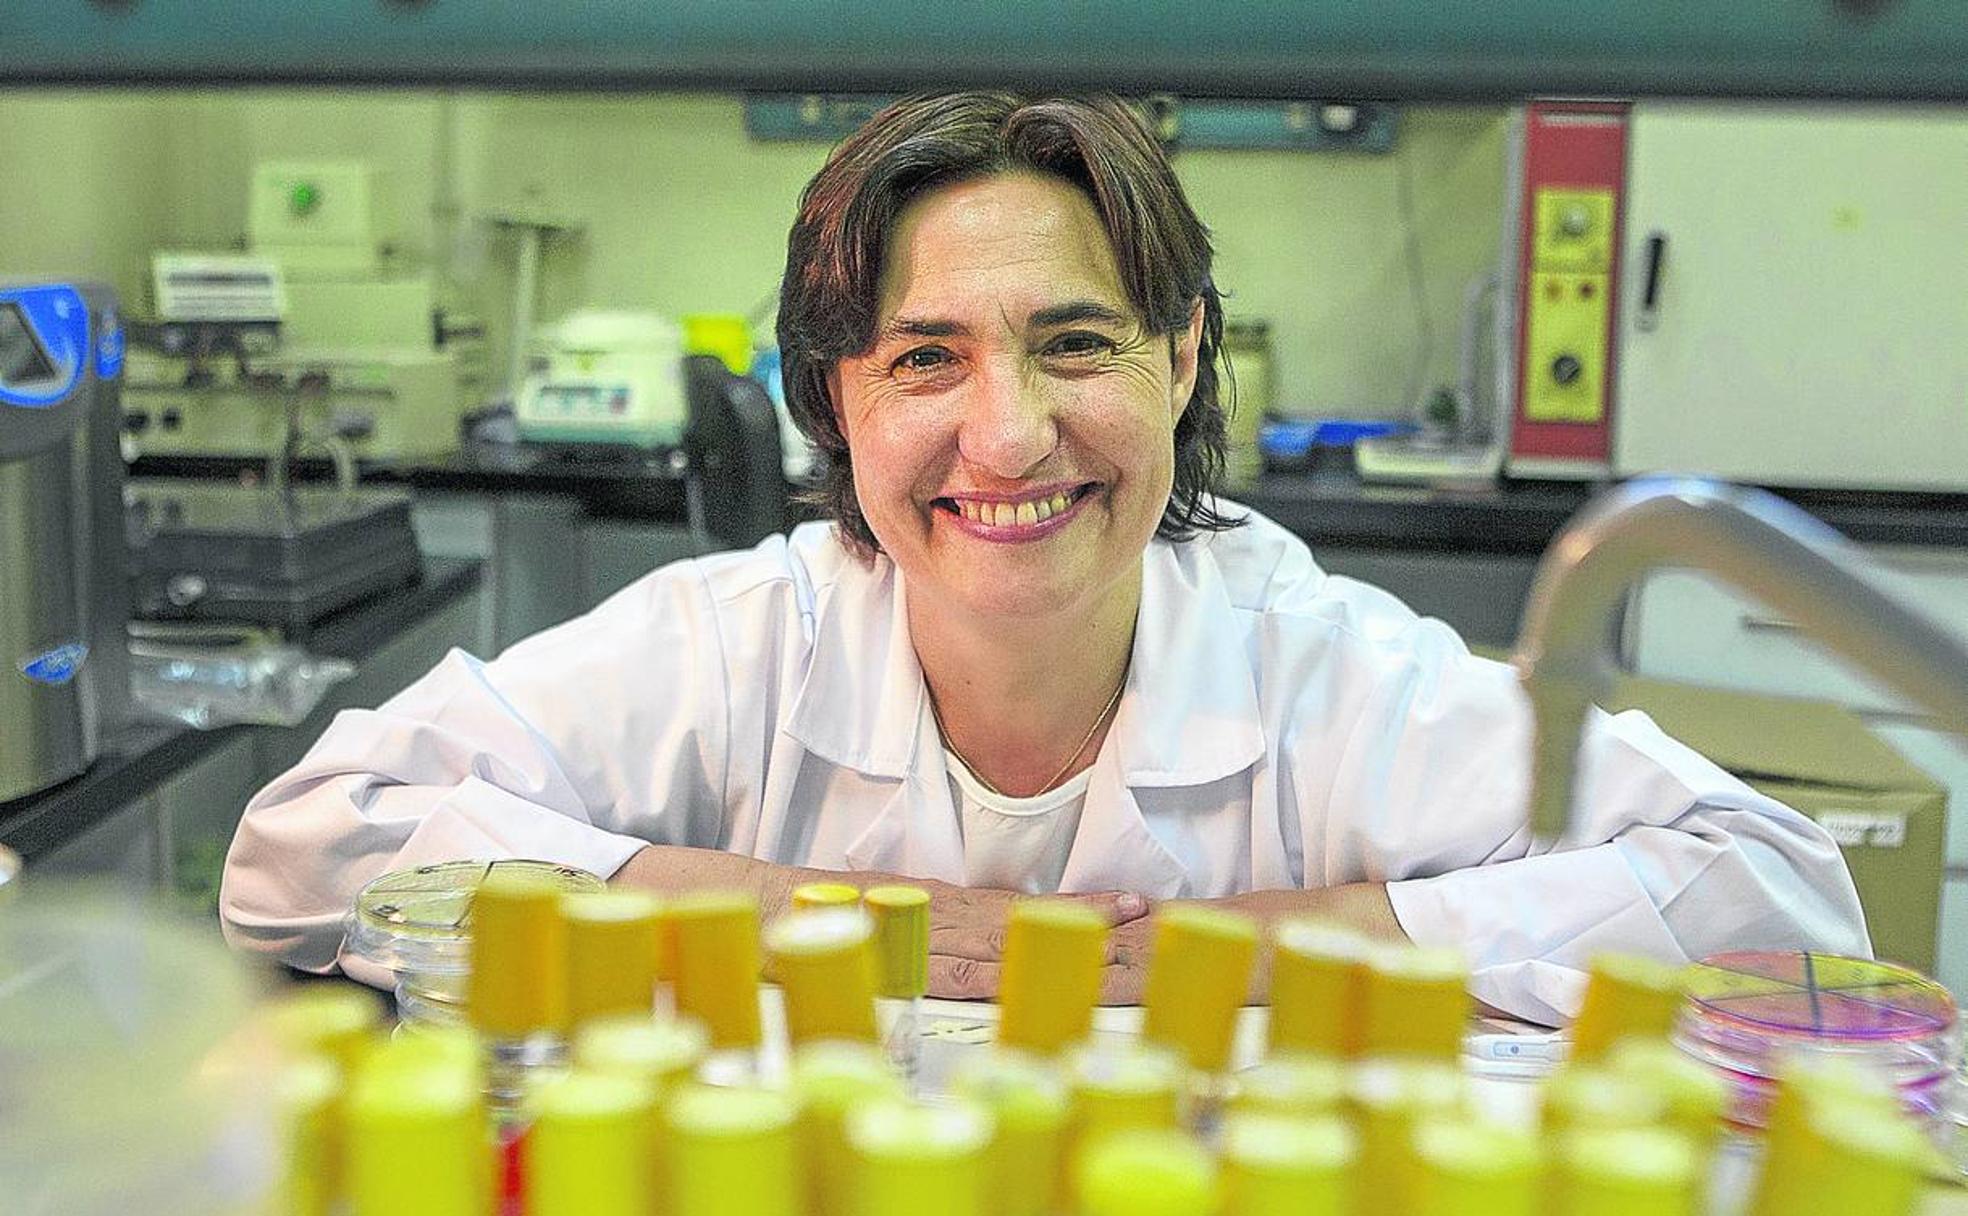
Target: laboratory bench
column 159, row 807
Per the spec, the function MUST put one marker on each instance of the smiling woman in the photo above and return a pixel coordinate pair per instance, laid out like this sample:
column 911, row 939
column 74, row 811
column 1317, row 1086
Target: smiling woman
column 1032, row 651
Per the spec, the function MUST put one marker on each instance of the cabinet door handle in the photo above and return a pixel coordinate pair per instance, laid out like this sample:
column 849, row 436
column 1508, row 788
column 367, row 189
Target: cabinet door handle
column 1649, row 315
column 1753, row 623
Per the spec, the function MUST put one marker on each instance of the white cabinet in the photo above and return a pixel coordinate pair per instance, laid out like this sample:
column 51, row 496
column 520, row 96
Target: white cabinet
column 1954, row 937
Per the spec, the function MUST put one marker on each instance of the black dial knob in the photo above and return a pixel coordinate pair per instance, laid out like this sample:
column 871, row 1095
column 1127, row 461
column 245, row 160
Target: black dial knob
column 1565, row 369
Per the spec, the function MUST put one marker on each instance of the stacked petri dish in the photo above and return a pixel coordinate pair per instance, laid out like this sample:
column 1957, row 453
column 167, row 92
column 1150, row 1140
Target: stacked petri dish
column 417, row 924
column 1749, row 1012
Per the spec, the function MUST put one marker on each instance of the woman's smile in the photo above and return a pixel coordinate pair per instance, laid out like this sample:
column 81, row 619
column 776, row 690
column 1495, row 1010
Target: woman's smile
column 1015, row 518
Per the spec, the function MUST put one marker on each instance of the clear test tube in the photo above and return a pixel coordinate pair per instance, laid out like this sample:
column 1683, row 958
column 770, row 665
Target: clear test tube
column 1049, row 980
column 518, row 986
column 901, row 916
column 591, row 1149
column 1697, row 1099
column 812, row 896
column 1471, row 1167
column 614, row 946
column 1292, row 1084
column 1318, row 983
column 417, row 1130
column 660, row 1053
column 1389, row 1099
column 716, row 935
column 1028, row 1103
column 730, row 1149
column 1416, row 1003
column 1627, row 996
column 1836, row 1155
column 1626, row 1172
column 824, row 961
column 910, row 1158
column 1198, row 978
column 830, row 1081
column 1146, row 1173
column 1275, row 1165
column 1592, row 1097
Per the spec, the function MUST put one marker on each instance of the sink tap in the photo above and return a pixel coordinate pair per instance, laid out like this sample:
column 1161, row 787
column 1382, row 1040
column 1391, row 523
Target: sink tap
column 1753, row 540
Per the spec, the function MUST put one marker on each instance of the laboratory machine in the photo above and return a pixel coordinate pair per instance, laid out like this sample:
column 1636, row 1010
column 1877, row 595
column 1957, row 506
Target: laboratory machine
column 605, row 377
column 64, row 687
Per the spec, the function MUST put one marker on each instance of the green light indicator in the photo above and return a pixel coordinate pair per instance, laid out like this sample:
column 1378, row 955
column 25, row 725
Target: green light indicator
column 303, row 198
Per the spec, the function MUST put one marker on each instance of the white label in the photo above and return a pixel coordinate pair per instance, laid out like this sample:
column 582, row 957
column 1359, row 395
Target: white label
column 1864, row 829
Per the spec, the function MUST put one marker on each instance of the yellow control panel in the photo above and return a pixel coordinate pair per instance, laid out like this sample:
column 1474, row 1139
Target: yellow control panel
column 1565, row 347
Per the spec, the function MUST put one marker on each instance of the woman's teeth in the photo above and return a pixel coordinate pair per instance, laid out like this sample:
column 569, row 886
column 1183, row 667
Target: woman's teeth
column 1013, row 515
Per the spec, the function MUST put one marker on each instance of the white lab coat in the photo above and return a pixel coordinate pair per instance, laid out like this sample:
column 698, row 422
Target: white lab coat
column 1281, row 728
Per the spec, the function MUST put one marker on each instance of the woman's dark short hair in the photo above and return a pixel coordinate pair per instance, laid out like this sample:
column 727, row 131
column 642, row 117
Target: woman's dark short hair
column 830, row 296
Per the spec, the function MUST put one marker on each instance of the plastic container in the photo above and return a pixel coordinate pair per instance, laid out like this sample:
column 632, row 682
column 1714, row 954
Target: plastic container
column 1747, row 1012
column 417, row 924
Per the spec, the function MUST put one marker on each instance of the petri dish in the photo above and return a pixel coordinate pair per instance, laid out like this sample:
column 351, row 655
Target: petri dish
column 417, row 923
column 1748, row 1011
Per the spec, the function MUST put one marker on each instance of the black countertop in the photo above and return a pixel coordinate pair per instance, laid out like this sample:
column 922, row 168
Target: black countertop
column 146, row 754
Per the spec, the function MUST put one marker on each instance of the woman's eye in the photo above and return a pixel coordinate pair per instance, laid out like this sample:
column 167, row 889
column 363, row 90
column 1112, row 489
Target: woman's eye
column 1079, row 343
column 922, row 359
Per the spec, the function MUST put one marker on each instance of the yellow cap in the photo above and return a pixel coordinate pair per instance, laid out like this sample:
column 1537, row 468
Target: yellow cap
column 1049, row 981
column 1146, row 1173
column 1318, row 979
column 338, row 1020
column 1626, row 1172
column 1592, row 1097
column 1842, row 1157
column 1198, row 977
column 1290, row 1083
column 1697, row 1099
column 1119, row 1088
column 825, row 963
column 1028, row 1104
column 614, row 942
column 909, row 1158
column 1389, row 1099
column 731, row 1150
column 1416, row 1002
column 901, row 939
column 417, row 1136
column 1474, row 1168
column 590, row 1151
column 725, row 334
column 660, row 1054
column 811, row 895
column 717, row 964
column 519, row 956
column 1627, row 996
column 307, row 1093
column 1275, row 1165
column 830, row 1080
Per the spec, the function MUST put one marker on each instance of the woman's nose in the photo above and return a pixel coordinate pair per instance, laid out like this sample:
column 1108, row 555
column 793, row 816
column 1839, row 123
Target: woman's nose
column 1009, row 425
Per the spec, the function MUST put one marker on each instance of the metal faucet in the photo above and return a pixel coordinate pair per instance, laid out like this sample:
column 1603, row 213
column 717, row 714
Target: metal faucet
column 1754, row 540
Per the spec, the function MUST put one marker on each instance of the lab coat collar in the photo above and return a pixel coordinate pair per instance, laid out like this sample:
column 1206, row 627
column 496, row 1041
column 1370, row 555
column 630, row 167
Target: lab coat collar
column 1187, row 637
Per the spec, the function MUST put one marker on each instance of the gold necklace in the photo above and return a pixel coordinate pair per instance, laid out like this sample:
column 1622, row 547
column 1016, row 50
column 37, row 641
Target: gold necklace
column 1084, row 740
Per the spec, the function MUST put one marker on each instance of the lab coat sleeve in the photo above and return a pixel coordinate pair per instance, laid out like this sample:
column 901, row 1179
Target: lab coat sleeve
column 1668, row 855
column 577, row 746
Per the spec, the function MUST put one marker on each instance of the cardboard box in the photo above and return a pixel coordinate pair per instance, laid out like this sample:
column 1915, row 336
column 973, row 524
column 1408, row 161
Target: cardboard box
column 1888, row 815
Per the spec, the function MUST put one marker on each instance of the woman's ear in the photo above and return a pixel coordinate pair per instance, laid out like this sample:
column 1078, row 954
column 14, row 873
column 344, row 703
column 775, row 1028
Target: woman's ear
column 1184, row 346
column 834, row 398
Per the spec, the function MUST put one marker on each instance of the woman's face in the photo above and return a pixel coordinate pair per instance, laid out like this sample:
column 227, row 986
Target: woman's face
column 1012, row 428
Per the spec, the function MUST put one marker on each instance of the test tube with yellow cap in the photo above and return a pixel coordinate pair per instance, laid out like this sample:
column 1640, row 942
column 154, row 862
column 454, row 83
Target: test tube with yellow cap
column 1318, row 982
column 1117, row 1087
column 810, row 896
column 1296, row 1084
column 1697, row 1099
column 830, row 1080
column 1028, row 1104
column 308, row 1093
column 1049, row 980
column 590, row 1151
column 417, row 1132
column 1277, row 1165
column 1626, row 1172
column 716, row 963
column 614, row 946
column 339, row 1021
column 1198, row 978
column 730, row 1149
column 824, row 961
column 901, row 916
column 1471, row 1167
column 660, row 1053
column 1389, row 1099
column 1146, row 1173
column 1841, row 1155
column 910, row 1158
column 1416, row 1002
column 1627, row 996
column 1592, row 1097
column 518, row 987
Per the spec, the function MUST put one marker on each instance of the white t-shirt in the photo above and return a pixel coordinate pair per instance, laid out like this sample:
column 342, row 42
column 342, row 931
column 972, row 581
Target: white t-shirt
column 1015, row 844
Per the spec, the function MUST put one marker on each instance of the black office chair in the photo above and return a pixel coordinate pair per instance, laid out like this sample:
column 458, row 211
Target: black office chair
column 732, row 441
